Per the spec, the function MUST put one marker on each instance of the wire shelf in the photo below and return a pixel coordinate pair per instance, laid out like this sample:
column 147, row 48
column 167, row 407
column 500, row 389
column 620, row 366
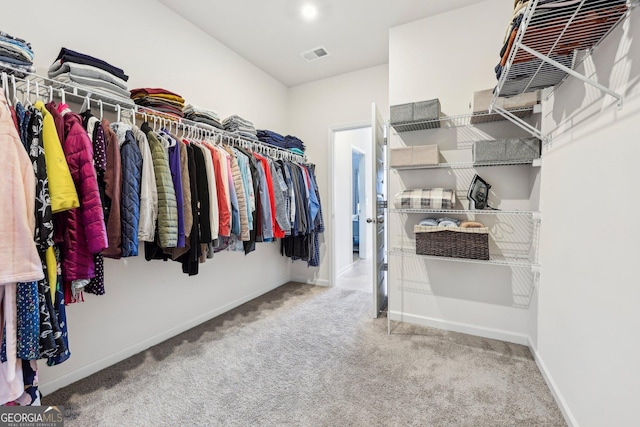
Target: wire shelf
column 447, row 122
column 78, row 93
column 556, row 33
column 494, row 259
column 466, row 165
column 467, row 212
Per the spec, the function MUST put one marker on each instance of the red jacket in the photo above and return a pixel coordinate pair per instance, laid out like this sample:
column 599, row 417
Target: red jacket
column 84, row 231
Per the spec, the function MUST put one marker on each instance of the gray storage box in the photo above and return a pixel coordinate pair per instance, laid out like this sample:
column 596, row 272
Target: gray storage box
column 402, row 113
column 426, row 110
column 506, row 149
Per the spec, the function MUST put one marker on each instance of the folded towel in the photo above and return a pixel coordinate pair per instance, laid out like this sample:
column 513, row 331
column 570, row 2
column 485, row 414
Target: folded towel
column 87, row 71
column 430, row 222
column 68, row 55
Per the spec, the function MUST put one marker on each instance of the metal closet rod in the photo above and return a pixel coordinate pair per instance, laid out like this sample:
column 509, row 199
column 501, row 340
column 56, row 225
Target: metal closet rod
column 192, row 128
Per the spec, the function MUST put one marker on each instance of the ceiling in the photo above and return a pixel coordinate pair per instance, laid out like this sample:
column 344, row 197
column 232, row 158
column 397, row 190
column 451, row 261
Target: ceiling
column 273, row 34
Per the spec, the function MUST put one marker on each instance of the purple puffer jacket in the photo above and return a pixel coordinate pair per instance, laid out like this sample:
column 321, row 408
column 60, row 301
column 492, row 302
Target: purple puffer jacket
column 84, row 229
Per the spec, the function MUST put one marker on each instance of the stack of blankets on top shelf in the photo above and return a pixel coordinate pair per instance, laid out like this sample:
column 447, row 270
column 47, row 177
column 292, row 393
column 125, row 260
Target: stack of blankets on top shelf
column 293, row 143
column 558, row 29
column 160, row 100
column 92, row 74
column 202, row 116
column 271, row 138
column 16, row 56
column 288, row 142
column 239, row 126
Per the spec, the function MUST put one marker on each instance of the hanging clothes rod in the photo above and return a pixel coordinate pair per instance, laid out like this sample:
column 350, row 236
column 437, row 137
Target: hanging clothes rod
column 39, row 85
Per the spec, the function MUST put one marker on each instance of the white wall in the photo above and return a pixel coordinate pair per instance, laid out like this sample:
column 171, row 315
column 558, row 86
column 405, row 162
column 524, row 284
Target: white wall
column 449, row 57
column 314, row 108
column 588, row 310
column 148, row 302
column 344, row 141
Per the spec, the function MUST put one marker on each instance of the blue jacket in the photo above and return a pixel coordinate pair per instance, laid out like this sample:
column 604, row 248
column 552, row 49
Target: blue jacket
column 130, row 198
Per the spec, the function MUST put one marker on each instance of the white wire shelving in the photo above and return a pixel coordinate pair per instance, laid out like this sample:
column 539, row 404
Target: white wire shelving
column 447, row 122
column 533, row 214
column 469, row 165
column 494, row 259
column 553, row 39
column 43, row 87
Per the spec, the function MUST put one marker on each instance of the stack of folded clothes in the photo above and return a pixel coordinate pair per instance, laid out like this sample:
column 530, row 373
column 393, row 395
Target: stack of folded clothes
column 239, row 126
column 202, row 116
column 16, row 56
column 159, row 99
column 294, row 144
column 270, row 137
column 90, row 73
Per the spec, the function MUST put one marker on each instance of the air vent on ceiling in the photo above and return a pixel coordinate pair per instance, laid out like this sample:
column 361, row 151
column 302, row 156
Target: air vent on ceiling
column 315, row 53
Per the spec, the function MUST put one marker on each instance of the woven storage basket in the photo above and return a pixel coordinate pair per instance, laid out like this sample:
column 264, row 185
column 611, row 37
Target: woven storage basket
column 455, row 242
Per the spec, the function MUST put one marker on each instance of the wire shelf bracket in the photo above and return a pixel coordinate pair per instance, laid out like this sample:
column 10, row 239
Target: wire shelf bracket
column 552, row 30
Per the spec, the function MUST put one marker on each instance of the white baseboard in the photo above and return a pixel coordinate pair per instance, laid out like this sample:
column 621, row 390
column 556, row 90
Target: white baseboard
column 562, row 404
column 93, row 367
column 344, row 270
column 306, row 280
column 463, row 328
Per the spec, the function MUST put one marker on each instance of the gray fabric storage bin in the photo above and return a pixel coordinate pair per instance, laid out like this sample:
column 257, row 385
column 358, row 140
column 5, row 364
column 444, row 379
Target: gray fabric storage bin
column 506, row 149
column 426, row 110
column 402, row 113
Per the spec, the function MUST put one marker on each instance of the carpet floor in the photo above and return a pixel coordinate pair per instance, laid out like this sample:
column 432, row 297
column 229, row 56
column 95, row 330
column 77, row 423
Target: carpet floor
column 311, row 356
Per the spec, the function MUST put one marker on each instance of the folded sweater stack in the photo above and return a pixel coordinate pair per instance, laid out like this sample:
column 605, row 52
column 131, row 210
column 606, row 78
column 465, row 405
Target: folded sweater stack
column 239, row 126
column 270, row 137
column 90, row 73
column 159, row 99
column 293, row 143
column 15, row 54
column 202, row 116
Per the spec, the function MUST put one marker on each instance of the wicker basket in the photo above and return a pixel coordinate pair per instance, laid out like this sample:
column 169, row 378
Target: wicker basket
column 455, row 242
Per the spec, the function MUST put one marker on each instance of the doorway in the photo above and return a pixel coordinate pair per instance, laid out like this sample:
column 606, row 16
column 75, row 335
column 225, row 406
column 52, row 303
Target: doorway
column 352, row 185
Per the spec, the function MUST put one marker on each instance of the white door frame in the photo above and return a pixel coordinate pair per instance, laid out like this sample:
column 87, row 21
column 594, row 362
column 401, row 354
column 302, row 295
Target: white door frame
column 331, row 250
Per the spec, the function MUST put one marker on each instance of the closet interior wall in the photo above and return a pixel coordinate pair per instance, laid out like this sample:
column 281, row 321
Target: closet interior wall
column 483, row 300
column 588, row 313
column 146, row 303
column 317, row 108
column 583, row 316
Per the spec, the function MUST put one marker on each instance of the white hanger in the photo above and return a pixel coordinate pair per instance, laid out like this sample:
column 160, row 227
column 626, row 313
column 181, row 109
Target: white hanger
column 133, row 116
column 62, row 95
column 28, row 93
column 50, row 93
column 118, row 110
column 86, row 104
column 5, row 84
column 101, row 108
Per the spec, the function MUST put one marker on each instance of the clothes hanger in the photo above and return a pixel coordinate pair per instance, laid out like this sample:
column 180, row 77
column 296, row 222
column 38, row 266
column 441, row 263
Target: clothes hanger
column 15, row 89
column 5, row 84
column 118, row 111
column 63, row 95
column 101, row 108
column 86, row 104
column 133, row 116
column 50, row 93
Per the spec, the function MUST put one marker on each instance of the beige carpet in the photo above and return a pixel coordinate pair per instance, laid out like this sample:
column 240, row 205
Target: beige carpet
column 311, row 356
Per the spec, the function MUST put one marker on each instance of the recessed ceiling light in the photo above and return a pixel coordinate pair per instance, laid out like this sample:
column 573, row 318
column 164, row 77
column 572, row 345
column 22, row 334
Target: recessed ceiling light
column 309, row 11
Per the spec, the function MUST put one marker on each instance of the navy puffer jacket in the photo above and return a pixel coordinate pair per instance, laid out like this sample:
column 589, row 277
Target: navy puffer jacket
column 130, row 198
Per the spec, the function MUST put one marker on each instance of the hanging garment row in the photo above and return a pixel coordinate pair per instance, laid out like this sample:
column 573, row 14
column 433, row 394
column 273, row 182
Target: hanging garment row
column 92, row 189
